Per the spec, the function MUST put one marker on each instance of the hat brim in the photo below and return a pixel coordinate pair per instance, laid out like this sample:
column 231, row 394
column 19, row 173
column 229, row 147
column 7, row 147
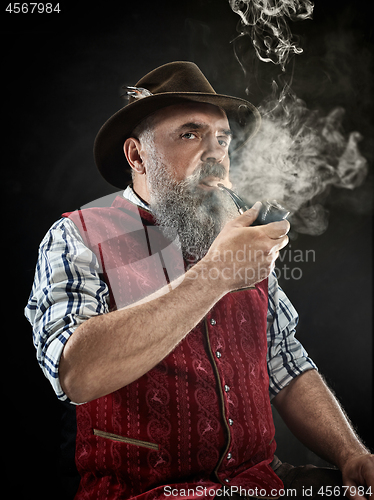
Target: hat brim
column 109, row 157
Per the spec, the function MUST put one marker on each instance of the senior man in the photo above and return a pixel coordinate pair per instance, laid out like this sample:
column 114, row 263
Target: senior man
column 161, row 320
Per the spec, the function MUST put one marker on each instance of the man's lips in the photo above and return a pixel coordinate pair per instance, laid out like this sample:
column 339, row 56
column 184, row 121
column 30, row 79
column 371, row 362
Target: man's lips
column 210, row 183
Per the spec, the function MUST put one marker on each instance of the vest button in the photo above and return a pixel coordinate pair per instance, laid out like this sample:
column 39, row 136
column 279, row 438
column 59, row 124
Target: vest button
column 229, row 456
column 227, row 480
column 227, row 388
column 218, row 354
column 213, row 322
column 231, row 421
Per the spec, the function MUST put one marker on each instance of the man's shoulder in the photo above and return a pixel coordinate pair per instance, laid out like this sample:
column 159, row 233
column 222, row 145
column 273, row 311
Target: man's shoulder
column 81, row 215
column 100, row 223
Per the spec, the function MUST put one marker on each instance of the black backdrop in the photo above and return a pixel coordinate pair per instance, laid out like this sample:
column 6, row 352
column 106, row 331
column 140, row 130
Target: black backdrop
column 61, row 80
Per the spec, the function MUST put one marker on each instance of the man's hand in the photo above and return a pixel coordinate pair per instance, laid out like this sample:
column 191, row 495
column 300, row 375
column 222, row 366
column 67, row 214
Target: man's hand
column 242, row 255
column 358, row 471
column 315, row 417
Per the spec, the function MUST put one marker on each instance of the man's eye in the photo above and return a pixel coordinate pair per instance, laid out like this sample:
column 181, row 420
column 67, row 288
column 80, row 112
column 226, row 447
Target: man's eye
column 223, row 143
column 189, row 135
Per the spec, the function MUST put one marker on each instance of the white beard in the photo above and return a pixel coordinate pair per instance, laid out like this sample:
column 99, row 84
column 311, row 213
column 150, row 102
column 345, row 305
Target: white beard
column 185, row 211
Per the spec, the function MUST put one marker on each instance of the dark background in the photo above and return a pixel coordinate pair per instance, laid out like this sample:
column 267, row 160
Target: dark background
column 61, row 79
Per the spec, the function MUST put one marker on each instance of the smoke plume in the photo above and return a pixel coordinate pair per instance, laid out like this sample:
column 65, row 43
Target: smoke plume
column 298, row 155
column 264, row 21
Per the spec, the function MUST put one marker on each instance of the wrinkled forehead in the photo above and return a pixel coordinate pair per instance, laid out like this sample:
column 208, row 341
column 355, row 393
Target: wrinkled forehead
column 192, row 112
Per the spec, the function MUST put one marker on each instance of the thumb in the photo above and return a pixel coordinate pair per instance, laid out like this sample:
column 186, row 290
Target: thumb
column 249, row 216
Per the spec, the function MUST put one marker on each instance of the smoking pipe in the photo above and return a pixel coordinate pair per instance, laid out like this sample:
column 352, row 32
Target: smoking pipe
column 269, row 211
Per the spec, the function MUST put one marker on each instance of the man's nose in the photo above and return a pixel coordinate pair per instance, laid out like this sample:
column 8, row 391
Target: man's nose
column 213, row 151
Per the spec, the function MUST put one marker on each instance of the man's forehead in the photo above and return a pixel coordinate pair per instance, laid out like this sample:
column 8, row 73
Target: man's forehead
column 179, row 114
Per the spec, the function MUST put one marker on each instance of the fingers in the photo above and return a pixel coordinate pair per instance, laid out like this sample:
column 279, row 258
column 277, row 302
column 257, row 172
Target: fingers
column 273, row 230
column 276, row 230
column 280, row 243
column 249, row 216
column 264, row 241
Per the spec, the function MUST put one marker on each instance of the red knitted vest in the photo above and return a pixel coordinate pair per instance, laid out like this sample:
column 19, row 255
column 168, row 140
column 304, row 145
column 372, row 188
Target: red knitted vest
column 201, row 419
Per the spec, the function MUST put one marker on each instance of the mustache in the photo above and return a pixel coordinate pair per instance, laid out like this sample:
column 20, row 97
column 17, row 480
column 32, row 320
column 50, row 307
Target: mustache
column 206, row 169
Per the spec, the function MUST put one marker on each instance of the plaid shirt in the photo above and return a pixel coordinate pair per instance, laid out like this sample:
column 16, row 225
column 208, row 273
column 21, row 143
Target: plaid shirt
column 68, row 290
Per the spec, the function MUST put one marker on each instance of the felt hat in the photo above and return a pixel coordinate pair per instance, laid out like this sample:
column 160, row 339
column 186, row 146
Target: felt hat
column 173, row 83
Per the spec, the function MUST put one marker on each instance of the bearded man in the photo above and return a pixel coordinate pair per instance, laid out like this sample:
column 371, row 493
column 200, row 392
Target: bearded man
column 160, row 321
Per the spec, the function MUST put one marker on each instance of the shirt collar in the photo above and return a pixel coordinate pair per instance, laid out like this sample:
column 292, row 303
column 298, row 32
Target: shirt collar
column 130, row 195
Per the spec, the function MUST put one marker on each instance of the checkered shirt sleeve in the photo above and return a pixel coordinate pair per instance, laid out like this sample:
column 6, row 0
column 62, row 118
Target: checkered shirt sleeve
column 286, row 356
column 67, row 291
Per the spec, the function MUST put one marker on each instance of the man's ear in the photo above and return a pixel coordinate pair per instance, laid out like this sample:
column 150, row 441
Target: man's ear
column 132, row 149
